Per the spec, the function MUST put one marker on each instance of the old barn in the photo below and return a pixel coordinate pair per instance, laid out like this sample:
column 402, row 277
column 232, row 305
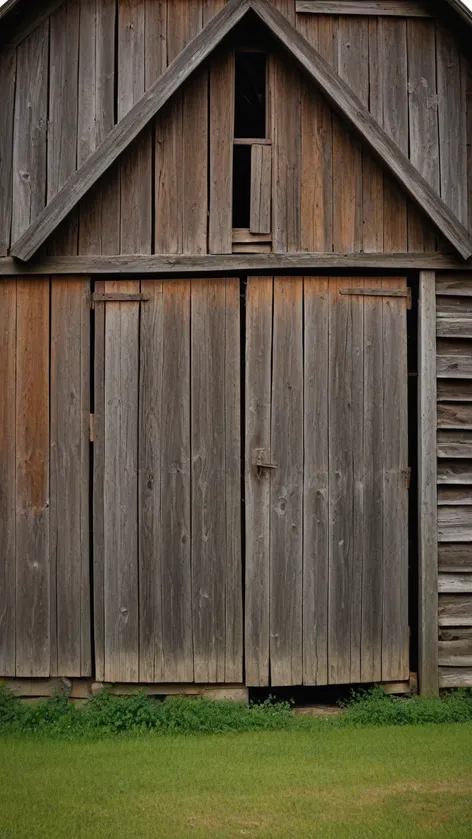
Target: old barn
column 235, row 344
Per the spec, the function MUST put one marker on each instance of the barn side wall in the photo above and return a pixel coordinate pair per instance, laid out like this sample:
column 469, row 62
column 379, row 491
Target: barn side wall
column 454, row 448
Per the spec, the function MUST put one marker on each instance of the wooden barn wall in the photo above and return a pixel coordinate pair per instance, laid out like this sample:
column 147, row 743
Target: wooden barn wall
column 454, row 393
column 44, row 491
column 89, row 62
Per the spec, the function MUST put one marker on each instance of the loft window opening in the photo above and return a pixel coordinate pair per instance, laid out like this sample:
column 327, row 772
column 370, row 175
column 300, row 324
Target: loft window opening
column 241, row 186
column 250, row 95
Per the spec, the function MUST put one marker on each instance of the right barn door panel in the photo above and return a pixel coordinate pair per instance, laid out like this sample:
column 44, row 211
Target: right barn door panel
column 326, row 481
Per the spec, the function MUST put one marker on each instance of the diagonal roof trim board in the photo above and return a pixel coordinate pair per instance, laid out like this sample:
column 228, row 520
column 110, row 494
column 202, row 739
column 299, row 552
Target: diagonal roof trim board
column 334, row 88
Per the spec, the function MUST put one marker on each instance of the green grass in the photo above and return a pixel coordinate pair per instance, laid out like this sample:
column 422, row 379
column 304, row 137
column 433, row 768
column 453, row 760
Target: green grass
column 331, row 781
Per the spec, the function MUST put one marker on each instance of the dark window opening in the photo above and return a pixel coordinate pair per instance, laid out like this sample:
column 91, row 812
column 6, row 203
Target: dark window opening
column 241, row 186
column 250, row 99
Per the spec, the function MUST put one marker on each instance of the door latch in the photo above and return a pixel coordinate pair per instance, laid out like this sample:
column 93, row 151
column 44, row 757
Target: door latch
column 261, row 462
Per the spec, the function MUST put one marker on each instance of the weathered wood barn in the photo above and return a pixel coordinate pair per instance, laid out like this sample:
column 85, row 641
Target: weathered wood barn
column 235, row 343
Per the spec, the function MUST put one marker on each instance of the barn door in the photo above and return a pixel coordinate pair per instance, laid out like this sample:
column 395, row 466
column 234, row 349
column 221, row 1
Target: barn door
column 326, row 481
column 167, row 483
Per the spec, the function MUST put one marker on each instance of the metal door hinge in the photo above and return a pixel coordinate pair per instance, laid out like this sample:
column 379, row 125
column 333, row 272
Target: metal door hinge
column 261, row 461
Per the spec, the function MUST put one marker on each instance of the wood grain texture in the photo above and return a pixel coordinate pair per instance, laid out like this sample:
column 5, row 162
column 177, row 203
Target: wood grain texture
column 176, row 597
column 130, row 126
column 423, row 122
column 454, row 472
column 452, row 123
column 373, row 175
column 151, row 502
column 457, row 284
column 452, row 677
column 454, row 367
column 395, row 635
column 286, row 504
column 455, row 583
column 98, row 485
column 350, row 7
column 454, row 444
column 69, row 506
column 455, row 557
column 454, row 391
column 455, row 415
column 8, row 344
column 7, row 96
column 261, row 189
column 284, row 83
column 455, row 524
column 32, row 479
column 455, row 610
column 316, row 161
column 221, row 154
column 30, row 130
column 212, row 431
column 258, row 483
column 316, row 481
column 120, row 491
column 454, row 496
column 454, row 327
column 427, row 486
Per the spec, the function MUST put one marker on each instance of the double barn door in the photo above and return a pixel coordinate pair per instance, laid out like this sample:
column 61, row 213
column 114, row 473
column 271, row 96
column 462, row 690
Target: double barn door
column 250, row 481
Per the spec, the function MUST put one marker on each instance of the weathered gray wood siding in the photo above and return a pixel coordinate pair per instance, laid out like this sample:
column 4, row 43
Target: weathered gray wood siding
column 454, row 444
column 44, row 489
column 79, row 71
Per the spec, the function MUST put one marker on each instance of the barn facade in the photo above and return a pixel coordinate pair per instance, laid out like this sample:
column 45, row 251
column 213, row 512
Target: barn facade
column 235, row 344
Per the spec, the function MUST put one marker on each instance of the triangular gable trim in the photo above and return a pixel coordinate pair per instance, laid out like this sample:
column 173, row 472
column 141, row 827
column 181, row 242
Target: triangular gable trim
column 334, row 88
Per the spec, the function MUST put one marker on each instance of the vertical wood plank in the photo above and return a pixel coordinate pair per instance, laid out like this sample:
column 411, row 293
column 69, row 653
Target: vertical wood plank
column 286, row 508
column 32, row 479
column 423, row 120
column 395, row 635
column 393, row 51
column 285, row 92
column 261, row 189
column 234, row 568
column 7, row 97
column 209, row 379
column 257, row 507
column 155, row 51
column 347, row 154
column 374, row 552
column 151, row 502
column 8, row 344
column 373, row 176
column 136, row 163
column 98, row 501
column 452, row 122
column 427, row 487
column 69, row 508
column 121, row 488
column 221, row 153
column 63, row 115
column 176, row 485
column 30, row 130
column 99, row 227
column 169, row 178
column 343, row 405
column 317, row 157
column 316, row 484
column 195, row 164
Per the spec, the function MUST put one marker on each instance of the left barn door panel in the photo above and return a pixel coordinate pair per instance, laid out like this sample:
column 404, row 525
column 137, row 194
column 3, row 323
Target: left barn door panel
column 167, row 494
column 44, row 478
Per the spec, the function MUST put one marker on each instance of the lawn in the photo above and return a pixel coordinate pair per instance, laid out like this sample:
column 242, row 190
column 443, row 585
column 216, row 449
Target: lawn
column 412, row 781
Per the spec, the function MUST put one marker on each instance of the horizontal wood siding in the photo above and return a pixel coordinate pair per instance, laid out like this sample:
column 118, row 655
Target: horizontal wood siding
column 454, row 450
column 70, row 80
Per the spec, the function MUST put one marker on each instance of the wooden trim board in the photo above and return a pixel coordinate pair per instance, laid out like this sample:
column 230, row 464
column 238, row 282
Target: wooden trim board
column 224, row 263
column 381, row 7
column 427, row 488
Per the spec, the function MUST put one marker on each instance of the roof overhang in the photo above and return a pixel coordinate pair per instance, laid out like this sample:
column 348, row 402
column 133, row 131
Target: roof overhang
column 198, row 50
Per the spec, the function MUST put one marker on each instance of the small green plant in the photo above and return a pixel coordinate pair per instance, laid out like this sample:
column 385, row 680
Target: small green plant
column 373, row 707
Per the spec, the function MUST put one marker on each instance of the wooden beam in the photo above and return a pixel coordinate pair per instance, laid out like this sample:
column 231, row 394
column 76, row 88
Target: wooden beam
column 168, row 264
column 427, row 487
column 382, row 7
column 344, row 100
column 129, row 127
